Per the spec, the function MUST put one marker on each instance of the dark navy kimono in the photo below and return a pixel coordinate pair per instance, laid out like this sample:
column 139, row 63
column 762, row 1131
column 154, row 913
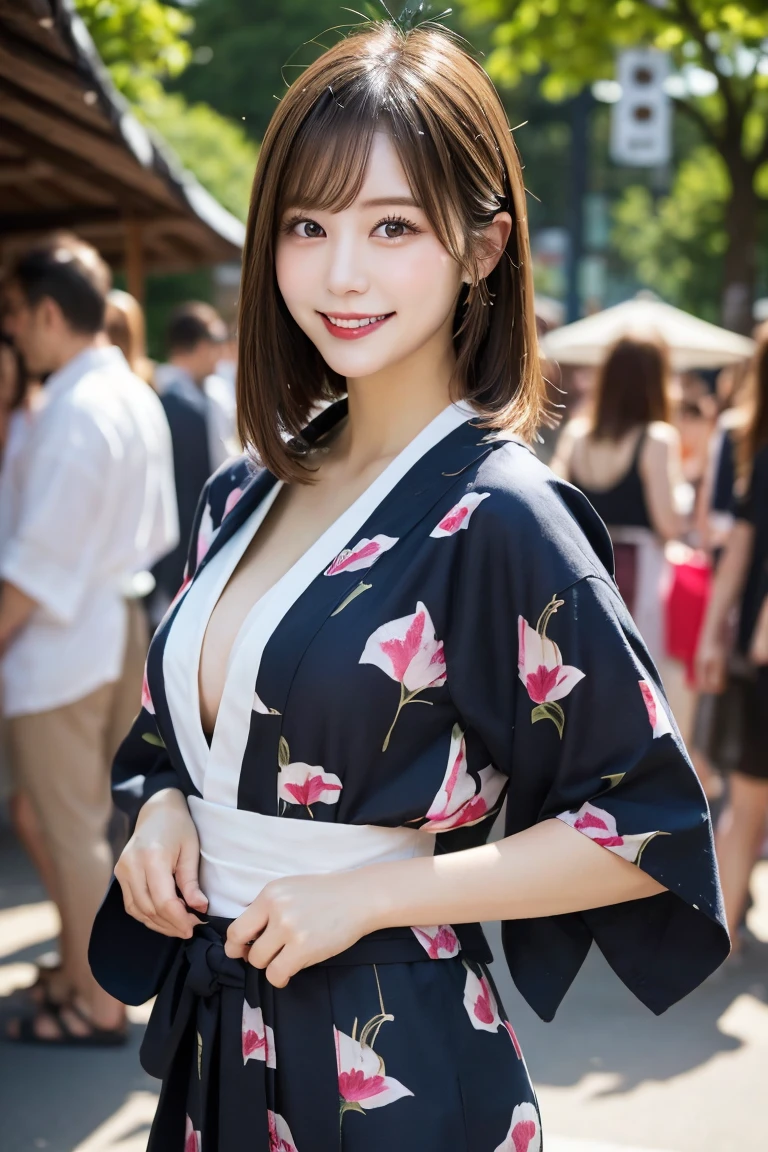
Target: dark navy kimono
column 454, row 640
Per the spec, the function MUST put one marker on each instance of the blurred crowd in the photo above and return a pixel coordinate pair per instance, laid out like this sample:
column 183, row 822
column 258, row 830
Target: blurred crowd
column 104, row 455
column 677, row 466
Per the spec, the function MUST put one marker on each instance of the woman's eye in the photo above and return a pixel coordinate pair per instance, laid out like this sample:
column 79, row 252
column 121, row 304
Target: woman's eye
column 309, row 229
column 395, row 229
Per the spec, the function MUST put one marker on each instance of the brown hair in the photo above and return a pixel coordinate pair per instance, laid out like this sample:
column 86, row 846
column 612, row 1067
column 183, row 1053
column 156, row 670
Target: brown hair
column 69, row 271
column 125, row 327
column 453, row 139
column 632, row 387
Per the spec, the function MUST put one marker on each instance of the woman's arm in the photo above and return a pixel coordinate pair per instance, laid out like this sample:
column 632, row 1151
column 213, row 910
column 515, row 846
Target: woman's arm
column 758, row 650
column 728, row 584
column 545, row 870
column 661, row 471
column 566, row 441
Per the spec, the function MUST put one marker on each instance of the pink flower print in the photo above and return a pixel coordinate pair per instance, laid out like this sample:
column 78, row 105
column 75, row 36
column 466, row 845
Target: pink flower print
column 363, row 555
column 459, row 516
column 461, row 800
column 363, row 1083
column 439, row 941
column 541, row 669
column 206, row 534
column 600, row 826
column 524, row 1132
column 258, row 1037
column 146, row 699
column 232, row 499
column 407, row 651
column 656, row 711
column 192, row 1138
column 483, row 1010
column 304, row 784
column 280, row 1138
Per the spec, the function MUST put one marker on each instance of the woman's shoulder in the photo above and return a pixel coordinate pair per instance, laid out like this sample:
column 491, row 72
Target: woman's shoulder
column 229, row 479
column 660, row 432
column 531, row 512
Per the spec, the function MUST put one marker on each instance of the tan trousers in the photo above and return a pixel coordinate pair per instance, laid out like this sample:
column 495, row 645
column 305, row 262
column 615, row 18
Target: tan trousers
column 61, row 759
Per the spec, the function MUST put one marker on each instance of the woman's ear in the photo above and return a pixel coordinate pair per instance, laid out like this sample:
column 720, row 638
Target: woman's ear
column 495, row 237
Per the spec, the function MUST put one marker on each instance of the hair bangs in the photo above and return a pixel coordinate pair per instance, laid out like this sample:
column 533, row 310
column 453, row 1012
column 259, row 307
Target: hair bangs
column 327, row 164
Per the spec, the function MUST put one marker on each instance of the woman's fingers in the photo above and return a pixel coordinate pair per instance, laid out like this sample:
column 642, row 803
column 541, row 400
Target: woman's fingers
column 286, row 964
column 243, row 931
column 187, row 875
column 168, row 908
column 266, row 947
column 138, row 899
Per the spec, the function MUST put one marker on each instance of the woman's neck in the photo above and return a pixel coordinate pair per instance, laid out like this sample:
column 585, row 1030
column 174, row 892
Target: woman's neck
column 387, row 410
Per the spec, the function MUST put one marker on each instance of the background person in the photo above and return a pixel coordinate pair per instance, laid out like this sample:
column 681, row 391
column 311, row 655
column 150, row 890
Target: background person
column 741, row 584
column 95, row 504
column 126, row 328
column 625, row 457
column 201, row 415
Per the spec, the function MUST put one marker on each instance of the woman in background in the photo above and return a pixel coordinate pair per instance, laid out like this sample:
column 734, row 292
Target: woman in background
column 742, row 576
column 126, row 329
column 626, row 460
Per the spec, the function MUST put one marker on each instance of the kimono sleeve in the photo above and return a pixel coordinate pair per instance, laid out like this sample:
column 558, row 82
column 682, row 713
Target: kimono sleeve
column 554, row 678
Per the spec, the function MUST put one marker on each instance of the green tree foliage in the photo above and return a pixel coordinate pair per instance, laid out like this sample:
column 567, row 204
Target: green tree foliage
column 142, row 42
column 247, row 52
column 574, row 42
column 677, row 244
column 145, row 44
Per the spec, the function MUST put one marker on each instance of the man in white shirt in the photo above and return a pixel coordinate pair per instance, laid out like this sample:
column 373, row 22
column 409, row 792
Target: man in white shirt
column 96, row 505
column 200, row 407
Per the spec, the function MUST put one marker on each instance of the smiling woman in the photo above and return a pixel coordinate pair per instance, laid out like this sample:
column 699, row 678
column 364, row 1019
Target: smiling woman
column 402, row 140
column 395, row 618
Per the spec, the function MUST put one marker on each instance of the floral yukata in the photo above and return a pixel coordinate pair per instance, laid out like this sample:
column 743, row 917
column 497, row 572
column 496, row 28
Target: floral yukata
column 455, row 640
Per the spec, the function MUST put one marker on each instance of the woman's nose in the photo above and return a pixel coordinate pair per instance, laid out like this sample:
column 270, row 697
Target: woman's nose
column 346, row 269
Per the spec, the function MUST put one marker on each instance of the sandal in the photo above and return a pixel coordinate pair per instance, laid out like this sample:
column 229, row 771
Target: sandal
column 95, row 1038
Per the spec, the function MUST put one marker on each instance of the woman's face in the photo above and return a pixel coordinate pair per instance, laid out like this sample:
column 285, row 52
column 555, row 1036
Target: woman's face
column 370, row 285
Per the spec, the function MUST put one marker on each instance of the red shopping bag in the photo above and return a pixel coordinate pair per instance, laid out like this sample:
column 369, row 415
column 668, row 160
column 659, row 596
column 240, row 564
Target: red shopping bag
column 685, row 606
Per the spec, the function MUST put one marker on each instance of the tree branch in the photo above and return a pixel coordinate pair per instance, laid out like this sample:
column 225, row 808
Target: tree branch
column 689, row 20
column 697, row 116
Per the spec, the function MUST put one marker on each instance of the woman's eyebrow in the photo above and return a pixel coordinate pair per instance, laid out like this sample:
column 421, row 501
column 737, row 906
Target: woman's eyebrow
column 383, row 201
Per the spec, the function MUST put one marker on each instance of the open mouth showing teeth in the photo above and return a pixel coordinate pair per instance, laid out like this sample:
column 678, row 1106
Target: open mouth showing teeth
column 356, row 323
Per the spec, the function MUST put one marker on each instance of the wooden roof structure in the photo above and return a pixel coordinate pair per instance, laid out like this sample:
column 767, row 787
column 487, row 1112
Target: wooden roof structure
column 73, row 156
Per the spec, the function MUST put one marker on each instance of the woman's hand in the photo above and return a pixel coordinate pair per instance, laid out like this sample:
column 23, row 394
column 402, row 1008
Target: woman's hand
column 298, row 921
column 162, row 855
column 711, row 665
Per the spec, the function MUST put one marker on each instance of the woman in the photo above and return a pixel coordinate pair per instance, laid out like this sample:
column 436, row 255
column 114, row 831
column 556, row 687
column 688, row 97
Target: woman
column 626, row 460
column 742, row 576
column 366, row 658
column 126, row 329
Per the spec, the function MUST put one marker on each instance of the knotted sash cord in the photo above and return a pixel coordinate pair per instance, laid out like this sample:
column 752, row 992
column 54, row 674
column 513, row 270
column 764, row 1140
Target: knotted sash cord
column 203, row 995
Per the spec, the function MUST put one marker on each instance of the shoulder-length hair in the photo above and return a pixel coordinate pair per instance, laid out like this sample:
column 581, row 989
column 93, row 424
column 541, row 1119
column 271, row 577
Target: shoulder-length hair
column 632, row 387
column 453, row 139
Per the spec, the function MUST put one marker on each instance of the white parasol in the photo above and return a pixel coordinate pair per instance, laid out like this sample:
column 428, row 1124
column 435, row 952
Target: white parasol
column 693, row 343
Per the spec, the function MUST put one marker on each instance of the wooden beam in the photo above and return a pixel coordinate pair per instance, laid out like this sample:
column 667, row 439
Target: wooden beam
column 134, row 259
column 40, row 146
column 14, row 223
column 23, row 171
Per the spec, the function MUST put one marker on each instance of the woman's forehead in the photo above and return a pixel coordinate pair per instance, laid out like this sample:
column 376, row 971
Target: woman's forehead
column 382, row 183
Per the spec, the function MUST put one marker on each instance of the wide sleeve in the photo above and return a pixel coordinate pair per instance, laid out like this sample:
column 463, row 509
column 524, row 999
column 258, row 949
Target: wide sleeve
column 550, row 673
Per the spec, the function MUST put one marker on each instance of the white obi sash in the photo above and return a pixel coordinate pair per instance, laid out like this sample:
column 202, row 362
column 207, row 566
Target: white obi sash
column 241, row 851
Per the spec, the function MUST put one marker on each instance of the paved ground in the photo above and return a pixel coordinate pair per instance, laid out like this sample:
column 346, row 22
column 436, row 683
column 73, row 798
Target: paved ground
column 611, row 1077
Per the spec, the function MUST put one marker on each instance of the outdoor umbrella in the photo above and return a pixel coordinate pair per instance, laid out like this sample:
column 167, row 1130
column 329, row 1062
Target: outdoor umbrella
column 693, row 343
